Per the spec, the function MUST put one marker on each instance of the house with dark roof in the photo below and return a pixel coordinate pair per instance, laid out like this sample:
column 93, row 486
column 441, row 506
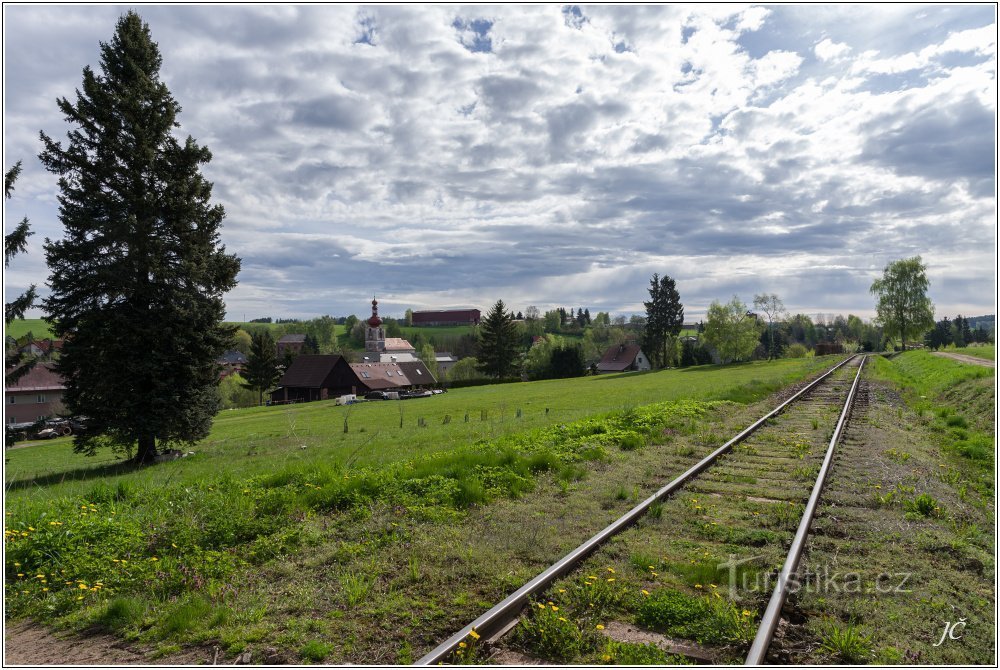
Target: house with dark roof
column 623, row 358
column 315, row 377
column 36, row 395
column 321, row 377
column 231, row 362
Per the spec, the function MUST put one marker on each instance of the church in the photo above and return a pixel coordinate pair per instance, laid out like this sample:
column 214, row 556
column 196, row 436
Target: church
column 382, row 349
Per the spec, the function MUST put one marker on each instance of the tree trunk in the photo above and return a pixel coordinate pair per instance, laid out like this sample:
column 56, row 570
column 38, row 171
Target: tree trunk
column 147, row 448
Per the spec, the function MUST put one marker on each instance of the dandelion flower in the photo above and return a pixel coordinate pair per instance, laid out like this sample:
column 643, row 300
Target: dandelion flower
column 474, row 635
column 20, row 574
column 541, row 606
column 555, row 609
column 82, row 586
column 79, row 597
column 154, row 558
column 747, row 613
column 45, row 589
column 611, row 579
column 714, row 586
column 611, row 570
column 600, row 626
column 655, row 574
column 462, row 645
column 562, row 590
column 697, row 586
column 645, row 592
column 650, row 567
column 562, row 618
column 606, row 657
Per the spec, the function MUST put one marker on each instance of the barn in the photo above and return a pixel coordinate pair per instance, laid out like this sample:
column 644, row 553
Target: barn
column 447, row 317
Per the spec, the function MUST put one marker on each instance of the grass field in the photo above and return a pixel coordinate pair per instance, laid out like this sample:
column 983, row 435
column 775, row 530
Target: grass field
column 248, row 442
column 207, row 547
column 37, row 327
column 989, row 352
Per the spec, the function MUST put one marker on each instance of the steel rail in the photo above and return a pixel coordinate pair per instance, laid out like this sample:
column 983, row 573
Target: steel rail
column 769, row 622
column 494, row 620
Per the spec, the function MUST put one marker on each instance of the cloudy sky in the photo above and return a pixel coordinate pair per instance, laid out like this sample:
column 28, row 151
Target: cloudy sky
column 447, row 156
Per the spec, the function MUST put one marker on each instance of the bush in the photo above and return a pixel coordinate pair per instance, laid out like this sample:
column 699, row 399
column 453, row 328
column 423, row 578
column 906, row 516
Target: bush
column 796, row 351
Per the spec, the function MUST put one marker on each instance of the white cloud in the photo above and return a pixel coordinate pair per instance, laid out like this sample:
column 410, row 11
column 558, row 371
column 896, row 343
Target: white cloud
column 385, row 149
column 827, row 50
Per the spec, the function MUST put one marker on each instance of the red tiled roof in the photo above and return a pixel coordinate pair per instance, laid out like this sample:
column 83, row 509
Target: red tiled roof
column 40, row 378
column 618, row 358
column 397, row 344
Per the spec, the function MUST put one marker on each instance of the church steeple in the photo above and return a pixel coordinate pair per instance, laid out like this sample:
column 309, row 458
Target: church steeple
column 374, row 335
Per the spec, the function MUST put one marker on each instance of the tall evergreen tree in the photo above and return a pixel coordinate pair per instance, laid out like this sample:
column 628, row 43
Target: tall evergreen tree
column 261, row 372
column 664, row 319
column 16, row 365
column 498, row 342
column 137, row 280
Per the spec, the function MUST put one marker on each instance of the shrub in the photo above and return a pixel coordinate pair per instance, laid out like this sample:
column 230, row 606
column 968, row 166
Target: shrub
column 923, row 505
column 796, row 351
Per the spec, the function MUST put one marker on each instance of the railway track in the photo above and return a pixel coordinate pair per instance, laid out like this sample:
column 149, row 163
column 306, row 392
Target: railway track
column 715, row 544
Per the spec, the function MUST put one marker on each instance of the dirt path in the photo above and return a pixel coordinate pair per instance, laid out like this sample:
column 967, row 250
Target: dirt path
column 962, row 358
column 27, row 643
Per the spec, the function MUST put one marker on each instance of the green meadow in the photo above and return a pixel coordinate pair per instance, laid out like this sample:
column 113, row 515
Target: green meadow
column 248, row 442
column 155, row 554
column 21, row 327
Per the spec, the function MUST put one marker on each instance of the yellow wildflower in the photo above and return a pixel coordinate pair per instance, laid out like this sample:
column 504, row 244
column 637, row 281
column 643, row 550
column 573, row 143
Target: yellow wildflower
column 611, row 570
column 554, row 608
column 747, row 613
column 562, row 618
column 474, row 635
column 600, row 626
column 697, row 586
column 82, row 586
column 611, row 579
column 714, row 586
column 462, row 645
column 645, row 592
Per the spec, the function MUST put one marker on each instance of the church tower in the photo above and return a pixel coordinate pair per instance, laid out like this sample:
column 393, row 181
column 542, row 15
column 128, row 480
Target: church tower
column 374, row 335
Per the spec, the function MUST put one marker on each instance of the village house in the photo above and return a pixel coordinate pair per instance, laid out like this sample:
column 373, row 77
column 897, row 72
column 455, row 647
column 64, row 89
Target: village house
column 231, row 362
column 623, row 358
column 292, row 343
column 315, row 377
column 36, row 395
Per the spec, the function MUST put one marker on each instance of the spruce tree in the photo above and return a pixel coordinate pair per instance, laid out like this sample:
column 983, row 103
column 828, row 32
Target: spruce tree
column 16, row 364
column 137, row 280
column 498, row 342
column 261, row 372
column 664, row 319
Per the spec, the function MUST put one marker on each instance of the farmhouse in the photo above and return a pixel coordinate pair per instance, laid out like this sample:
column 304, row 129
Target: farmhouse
column 623, row 358
column 447, row 317
column 315, row 377
column 36, row 395
column 391, row 376
column 320, row 377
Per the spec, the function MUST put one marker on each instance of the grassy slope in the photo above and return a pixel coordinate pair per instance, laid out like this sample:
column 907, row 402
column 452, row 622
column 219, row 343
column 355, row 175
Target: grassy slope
column 259, row 440
column 988, row 352
column 38, row 327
